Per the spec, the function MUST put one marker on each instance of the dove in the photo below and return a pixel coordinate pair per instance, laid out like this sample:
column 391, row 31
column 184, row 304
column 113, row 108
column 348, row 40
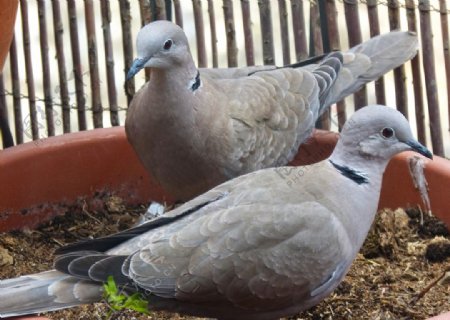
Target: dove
column 264, row 245
column 195, row 128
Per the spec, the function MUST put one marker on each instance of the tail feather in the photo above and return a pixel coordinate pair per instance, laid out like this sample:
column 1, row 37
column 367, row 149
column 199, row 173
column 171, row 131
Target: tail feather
column 369, row 60
column 46, row 291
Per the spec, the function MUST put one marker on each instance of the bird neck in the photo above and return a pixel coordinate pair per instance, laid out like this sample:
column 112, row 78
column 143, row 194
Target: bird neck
column 178, row 77
column 346, row 157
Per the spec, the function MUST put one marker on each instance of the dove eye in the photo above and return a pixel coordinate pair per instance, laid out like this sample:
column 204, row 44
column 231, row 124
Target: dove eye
column 168, row 44
column 387, row 132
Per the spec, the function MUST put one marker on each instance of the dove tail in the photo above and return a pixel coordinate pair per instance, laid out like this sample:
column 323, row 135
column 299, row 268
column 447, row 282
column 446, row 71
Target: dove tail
column 46, row 291
column 371, row 59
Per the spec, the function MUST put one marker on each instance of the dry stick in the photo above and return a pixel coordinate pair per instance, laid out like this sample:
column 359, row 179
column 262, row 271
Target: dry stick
column 430, row 77
column 45, row 68
column 127, row 44
column 77, row 72
column 374, row 26
column 266, row 32
column 178, row 13
column 97, row 110
column 212, row 23
column 354, row 37
column 248, row 34
column 316, row 32
column 446, row 47
column 231, row 33
column 401, row 97
column 15, row 79
column 425, row 290
column 62, row 88
column 333, row 35
column 284, row 31
column 298, row 22
column 109, row 60
column 199, row 33
column 417, row 76
column 33, row 121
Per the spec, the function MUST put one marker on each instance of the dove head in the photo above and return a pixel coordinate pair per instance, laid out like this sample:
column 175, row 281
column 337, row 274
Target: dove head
column 160, row 44
column 376, row 133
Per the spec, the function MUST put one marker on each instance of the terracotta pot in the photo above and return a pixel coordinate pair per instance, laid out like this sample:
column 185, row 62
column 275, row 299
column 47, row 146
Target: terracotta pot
column 47, row 176
column 44, row 178
column 7, row 19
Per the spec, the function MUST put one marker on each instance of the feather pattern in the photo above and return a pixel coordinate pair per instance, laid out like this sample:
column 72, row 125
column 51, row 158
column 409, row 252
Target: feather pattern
column 240, row 119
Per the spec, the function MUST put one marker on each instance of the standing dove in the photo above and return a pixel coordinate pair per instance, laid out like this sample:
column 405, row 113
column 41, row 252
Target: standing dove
column 264, row 245
column 194, row 129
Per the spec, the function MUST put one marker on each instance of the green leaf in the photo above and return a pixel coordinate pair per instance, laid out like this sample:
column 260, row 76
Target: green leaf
column 118, row 300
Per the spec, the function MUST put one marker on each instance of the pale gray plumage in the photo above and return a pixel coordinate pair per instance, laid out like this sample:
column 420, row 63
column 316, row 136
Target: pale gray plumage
column 193, row 129
column 263, row 245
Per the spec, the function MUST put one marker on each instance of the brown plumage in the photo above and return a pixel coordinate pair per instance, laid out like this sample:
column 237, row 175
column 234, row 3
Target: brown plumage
column 194, row 129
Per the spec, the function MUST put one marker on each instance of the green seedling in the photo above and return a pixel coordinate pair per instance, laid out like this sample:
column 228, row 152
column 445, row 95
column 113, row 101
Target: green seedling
column 118, row 300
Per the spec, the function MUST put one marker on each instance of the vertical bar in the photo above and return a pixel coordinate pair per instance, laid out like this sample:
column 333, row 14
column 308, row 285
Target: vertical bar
column 430, row 77
column 333, row 28
column 284, row 31
column 333, row 33
column 231, row 33
column 212, row 22
column 316, row 32
column 446, row 47
column 146, row 17
column 354, row 37
column 394, row 14
column 168, row 10
column 401, row 97
column 324, row 26
column 7, row 138
column 45, row 68
column 77, row 72
column 15, row 79
column 199, row 33
column 97, row 110
column 109, row 60
column 374, row 25
column 248, row 35
column 33, row 121
column 127, row 44
column 417, row 76
column 298, row 22
column 178, row 13
column 266, row 32
column 158, row 9
column 63, row 90
column 145, row 11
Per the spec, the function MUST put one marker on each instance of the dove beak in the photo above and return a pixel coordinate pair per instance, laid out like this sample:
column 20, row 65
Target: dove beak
column 416, row 146
column 137, row 65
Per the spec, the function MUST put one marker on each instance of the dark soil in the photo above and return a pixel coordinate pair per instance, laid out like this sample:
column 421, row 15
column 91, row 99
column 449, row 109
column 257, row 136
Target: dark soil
column 402, row 271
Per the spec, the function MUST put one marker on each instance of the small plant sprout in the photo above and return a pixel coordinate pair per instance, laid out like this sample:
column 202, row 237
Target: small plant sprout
column 118, row 300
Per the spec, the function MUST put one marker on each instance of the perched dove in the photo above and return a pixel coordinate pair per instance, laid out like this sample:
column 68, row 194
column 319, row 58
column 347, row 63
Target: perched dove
column 194, row 129
column 264, row 245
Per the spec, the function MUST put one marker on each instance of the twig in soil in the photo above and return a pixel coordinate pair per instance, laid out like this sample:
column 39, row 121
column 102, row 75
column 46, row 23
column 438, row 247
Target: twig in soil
column 58, row 242
column 425, row 290
column 88, row 214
